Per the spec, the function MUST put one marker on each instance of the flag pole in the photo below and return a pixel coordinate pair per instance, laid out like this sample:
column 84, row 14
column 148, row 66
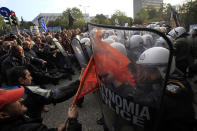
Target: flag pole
column 82, row 81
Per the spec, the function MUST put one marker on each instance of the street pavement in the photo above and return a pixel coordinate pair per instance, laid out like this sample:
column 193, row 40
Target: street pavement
column 88, row 114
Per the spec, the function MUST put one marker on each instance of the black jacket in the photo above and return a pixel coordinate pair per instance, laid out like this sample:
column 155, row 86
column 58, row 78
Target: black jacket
column 178, row 108
column 36, row 97
column 24, row 123
column 12, row 61
column 183, row 53
column 32, row 55
column 44, row 50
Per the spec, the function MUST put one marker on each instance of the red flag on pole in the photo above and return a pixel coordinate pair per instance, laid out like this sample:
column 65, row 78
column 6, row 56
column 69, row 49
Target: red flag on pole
column 108, row 59
column 89, row 82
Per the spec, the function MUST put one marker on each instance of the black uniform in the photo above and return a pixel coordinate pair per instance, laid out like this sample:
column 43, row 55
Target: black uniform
column 183, row 53
column 24, row 123
column 178, row 107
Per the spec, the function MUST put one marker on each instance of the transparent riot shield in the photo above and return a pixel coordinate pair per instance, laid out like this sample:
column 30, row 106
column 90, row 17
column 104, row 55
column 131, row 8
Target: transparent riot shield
column 88, row 50
column 79, row 53
column 64, row 53
column 131, row 83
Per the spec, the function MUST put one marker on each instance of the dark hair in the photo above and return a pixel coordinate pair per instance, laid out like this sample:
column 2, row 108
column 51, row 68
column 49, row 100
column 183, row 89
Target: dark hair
column 14, row 50
column 15, row 73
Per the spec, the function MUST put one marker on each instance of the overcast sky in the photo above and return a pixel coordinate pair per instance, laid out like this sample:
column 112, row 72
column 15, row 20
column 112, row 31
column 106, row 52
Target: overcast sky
column 29, row 9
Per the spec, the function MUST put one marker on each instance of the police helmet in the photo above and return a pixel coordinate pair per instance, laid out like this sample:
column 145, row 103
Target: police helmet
column 177, row 32
column 120, row 47
column 114, row 37
column 157, row 57
column 109, row 41
column 135, row 41
column 85, row 41
column 160, row 42
column 85, row 34
column 148, row 40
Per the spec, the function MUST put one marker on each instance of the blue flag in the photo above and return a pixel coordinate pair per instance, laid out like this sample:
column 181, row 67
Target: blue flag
column 43, row 25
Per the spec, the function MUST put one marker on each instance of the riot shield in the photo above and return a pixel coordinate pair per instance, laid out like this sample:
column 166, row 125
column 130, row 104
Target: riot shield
column 89, row 51
column 85, row 44
column 79, row 53
column 131, row 83
column 64, row 53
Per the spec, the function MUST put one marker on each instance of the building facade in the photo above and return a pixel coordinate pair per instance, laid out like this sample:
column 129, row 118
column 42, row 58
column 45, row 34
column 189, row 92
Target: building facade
column 53, row 16
column 139, row 4
column 47, row 17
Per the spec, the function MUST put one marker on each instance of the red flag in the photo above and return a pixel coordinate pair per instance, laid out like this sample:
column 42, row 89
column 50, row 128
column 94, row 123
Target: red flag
column 108, row 59
column 89, row 82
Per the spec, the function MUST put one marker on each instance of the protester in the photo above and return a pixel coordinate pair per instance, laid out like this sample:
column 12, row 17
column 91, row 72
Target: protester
column 145, row 62
column 36, row 97
column 13, row 118
column 17, row 58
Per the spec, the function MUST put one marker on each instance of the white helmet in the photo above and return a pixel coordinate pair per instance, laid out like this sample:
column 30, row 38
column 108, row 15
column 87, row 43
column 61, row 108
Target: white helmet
column 148, row 26
column 193, row 31
column 170, row 38
column 121, row 33
column 157, row 57
column 85, row 34
column 176, row 32
column 85, row 41
column 114, row 37
column 151, row 26
column 148, row 40
column 160, row 42
column 107, row 33
column 110, row 32
column 93, row 32
column 135, row 41
column 120, row 47
column 109, row 41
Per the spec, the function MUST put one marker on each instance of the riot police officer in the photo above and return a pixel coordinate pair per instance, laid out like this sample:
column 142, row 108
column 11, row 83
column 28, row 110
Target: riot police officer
column 178, row 110
column 135, row 46
column 182, row 48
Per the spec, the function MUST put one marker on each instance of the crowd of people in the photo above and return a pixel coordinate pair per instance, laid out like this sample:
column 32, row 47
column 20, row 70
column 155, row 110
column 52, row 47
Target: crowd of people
column 26, row 56
column 39, row 54
column 28, row 63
